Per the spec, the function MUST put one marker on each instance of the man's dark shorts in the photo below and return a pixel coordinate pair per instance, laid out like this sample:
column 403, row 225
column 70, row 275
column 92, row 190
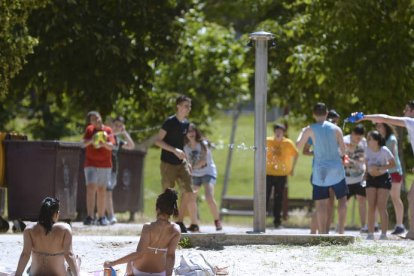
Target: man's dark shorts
column 340, row 189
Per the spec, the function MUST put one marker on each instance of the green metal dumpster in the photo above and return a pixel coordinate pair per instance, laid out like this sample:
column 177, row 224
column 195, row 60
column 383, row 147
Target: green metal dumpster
column 36, row 169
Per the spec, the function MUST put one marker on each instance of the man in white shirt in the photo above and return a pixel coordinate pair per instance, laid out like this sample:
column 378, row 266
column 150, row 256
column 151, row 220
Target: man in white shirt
column 408, row 122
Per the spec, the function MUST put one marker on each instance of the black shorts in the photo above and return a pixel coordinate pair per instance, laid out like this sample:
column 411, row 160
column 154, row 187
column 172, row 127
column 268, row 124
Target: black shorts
column 356, row 189
column 379, row 182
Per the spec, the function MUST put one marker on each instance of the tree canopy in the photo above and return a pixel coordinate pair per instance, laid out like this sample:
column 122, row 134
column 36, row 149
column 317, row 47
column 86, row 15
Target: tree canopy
column 15, row 43
column 354, row 56
column 133, row 58
column 90, row 55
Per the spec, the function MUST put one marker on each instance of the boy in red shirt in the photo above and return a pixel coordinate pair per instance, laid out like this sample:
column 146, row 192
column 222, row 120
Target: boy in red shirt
column 98, row 140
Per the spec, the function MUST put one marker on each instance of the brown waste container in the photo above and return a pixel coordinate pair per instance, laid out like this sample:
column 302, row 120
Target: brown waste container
column 36, row 169
column 128, row 194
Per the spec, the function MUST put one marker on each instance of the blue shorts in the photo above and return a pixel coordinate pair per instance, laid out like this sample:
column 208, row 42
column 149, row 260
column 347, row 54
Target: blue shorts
column 205, row 179
column 340, row 189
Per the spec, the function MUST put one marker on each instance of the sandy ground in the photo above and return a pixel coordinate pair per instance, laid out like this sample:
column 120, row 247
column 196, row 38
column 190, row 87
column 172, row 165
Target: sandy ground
column 97, row 244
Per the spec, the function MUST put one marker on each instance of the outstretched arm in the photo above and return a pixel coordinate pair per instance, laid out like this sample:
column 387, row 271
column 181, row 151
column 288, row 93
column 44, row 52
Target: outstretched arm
column 126, row 259
column 143, row 243
column 383, row 118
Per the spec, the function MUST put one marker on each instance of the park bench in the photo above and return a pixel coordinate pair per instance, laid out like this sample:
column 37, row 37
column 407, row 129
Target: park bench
column 243, row 205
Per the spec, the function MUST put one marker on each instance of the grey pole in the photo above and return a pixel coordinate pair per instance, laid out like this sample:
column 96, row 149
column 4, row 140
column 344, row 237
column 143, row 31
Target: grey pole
column 260, row 40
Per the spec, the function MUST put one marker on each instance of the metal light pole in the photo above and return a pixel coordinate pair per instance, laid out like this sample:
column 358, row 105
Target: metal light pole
column 260, row 40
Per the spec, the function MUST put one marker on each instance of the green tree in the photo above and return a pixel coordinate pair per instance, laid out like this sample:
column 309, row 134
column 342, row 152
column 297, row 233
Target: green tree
column 243, row 15
column 90, row 55
column 208, row 66
column 356, row 53
column 352, row 55
column 123, row 61
column 15, row 41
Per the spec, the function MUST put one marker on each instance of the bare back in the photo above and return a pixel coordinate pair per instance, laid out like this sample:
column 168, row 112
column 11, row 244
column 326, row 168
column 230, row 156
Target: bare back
column 48, row 251
column 158, row 242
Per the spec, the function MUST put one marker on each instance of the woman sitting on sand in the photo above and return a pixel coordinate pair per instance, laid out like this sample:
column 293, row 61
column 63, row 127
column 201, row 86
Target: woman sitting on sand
column 49, row 243
column 155, row 253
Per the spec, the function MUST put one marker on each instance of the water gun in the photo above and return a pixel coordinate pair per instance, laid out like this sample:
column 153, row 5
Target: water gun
column 355, row 117
column 99, row 137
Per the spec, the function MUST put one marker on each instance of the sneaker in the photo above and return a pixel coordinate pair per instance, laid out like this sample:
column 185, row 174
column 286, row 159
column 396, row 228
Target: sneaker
column 364, row 230
column 370, row 236
column 383, row 237
column 218, row 225
column 88, row 221
column 193, row 228
column 103, row 221
column 182, row 227
column 112, row 220
column 398, row 230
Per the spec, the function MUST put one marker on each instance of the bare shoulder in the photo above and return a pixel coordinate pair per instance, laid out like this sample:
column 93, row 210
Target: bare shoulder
column 175, row 228
column 307, row 130
column 30, row 227
column 147, row 227
column 62, row 226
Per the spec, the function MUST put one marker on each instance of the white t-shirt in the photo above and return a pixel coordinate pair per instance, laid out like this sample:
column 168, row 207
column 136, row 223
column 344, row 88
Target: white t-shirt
column 355, row 169
column 409, row 123
column 194, row 155
column 378, row 158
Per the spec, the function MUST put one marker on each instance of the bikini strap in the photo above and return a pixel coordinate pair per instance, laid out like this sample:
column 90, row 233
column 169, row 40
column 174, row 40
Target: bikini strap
column 157, row 243
column 48, row 254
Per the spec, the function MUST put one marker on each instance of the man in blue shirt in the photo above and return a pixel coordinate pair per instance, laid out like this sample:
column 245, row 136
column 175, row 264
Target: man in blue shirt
column 327, row 169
